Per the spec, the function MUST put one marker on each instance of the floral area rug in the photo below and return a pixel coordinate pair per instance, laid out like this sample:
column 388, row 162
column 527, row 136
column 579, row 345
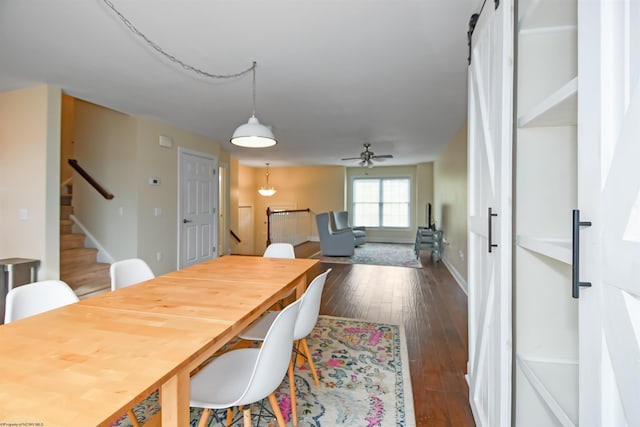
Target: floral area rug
column 393, row 254
column 364, row 381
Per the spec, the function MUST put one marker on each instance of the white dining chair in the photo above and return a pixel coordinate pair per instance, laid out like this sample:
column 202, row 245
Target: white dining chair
column 244, row 376
column 129, row 272
column 279, row 250
column 38, row 297
column 307, row 319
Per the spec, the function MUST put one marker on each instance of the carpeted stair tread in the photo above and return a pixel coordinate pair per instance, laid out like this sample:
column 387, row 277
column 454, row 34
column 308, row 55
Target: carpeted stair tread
column 88, row 279
column 66, row 226
column 77, row 255
column 71, row 241
column 92, row 289
column 91, row 268
column 78, row 265
column 65, row 212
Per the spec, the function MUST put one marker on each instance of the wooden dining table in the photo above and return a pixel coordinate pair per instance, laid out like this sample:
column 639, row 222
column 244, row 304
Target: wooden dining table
column 88, row 363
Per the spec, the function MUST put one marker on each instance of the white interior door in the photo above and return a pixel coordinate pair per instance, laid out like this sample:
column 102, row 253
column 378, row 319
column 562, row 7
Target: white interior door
column 198, row 206
column 609, row 197
column 489, row 157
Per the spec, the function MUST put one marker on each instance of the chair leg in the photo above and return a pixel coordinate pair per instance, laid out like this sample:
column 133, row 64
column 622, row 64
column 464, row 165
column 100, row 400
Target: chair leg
column 229, row 416
column 292, row 391
column 276, row 410
column 246, row 416
column 305, row 349
column 204, row 417
column 132, row 418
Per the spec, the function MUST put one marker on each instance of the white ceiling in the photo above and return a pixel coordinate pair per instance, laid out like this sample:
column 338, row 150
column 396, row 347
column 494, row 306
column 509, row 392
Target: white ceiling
column 331, row 74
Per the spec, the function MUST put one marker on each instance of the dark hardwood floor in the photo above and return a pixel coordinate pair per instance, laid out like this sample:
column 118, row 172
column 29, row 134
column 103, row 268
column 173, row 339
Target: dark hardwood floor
column 433, row 310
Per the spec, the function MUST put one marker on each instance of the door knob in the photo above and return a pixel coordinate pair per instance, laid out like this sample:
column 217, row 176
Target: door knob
column 185, row 221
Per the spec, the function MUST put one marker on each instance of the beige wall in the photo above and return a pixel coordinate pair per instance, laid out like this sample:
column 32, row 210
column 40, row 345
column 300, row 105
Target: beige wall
column 319, row 188
column 105, row 148
column 122, row 152
column 66, row 138
column 29, row 176
column 424, row 191
column 450, row 174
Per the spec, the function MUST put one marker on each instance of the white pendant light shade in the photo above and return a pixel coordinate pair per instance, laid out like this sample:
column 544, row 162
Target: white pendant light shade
column 267, row 191
column 253, row 135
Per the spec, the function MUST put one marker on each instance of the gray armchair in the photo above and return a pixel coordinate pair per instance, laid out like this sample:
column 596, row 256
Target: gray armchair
column 334, row 242
column 341, row 221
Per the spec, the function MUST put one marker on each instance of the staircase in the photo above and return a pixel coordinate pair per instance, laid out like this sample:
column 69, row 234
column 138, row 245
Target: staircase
column 78, row 265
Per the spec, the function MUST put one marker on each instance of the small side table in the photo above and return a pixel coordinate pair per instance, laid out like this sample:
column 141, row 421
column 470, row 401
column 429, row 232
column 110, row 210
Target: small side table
column 8, row 280
column 427, row 238
column 10, row 266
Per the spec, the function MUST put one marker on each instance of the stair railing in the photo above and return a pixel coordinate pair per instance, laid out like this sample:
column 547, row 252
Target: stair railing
column 288, row 226
column 74, row 164
column 235, row 236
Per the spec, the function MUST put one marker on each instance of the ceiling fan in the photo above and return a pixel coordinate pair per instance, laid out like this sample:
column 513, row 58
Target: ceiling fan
column 367, row 157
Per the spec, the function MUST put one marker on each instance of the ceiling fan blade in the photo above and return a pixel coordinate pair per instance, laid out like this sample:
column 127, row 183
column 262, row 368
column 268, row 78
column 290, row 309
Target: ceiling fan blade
column 352, row 158
column 382, row 156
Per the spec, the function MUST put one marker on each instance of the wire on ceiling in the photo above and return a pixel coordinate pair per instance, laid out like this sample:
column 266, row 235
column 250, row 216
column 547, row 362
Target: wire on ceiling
column 170, row 57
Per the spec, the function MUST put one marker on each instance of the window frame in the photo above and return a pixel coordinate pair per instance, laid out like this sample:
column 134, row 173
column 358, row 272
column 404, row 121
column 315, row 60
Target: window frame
column 381, row 179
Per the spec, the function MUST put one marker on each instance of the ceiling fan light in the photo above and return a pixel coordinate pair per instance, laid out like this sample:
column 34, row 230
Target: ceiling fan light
column 253, row 134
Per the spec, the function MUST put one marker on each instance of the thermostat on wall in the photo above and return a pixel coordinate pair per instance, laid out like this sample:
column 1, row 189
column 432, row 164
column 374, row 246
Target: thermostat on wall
column 154, row 180
column 166, row 141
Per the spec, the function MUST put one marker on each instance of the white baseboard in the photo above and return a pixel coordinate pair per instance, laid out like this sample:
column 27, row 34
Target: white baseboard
column 456, row 276
column 91, row 242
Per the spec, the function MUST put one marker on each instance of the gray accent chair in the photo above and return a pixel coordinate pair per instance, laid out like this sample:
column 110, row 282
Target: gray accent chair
column 334, row 242
column 341, row 221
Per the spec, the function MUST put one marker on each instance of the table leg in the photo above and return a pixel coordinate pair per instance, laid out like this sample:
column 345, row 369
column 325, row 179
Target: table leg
column 301, row 286
column 175, row 400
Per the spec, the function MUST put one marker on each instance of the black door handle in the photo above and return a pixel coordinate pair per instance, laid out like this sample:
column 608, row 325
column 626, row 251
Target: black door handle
column 575, row 264
column 185, row 221
column 491, row 245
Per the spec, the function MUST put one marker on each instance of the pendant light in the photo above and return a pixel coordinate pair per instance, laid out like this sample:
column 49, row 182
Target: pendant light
column 267, row 191
column 253, row 134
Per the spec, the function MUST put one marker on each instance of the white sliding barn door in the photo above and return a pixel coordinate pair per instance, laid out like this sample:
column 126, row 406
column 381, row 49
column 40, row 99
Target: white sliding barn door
column 490, row 143
column 609, row 197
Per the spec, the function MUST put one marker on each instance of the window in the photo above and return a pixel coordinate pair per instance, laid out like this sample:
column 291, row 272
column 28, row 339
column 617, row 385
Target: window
column 381, row 202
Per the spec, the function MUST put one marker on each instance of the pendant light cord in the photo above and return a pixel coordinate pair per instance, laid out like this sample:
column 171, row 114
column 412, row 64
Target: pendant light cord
column 254, row 87
column 173, row 59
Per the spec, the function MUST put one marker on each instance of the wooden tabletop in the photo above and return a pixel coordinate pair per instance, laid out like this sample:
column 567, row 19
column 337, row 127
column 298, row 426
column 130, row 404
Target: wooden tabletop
column 88, row 363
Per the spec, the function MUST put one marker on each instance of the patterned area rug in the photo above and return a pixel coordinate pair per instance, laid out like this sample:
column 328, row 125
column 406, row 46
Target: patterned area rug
column 394, row 254
column 364, row 380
